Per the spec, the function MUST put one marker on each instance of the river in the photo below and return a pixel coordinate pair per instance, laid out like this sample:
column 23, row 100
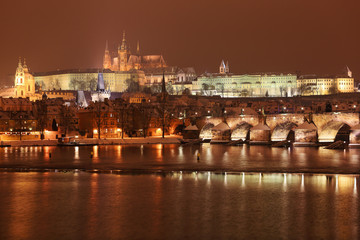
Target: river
column 164, row 192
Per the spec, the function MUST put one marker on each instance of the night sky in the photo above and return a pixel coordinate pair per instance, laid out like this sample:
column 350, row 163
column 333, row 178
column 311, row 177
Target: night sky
column 310, row 36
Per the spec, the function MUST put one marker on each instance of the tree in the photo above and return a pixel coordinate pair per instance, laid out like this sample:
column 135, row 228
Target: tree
column 74, row 83
column 146, row 111
column 244, row 93
column 132, row 85
column 66, row 117
column 37, row 86
column 169, row 88
column 147, row 90
column 186, row 91
column 41, row 116
column 99, row 111
column 18, row 118
column 155, row 88
column 123, row 111
column 55, row 83
column 91, row 83
column 328, row 107
column 205, row 89
column 333, row 90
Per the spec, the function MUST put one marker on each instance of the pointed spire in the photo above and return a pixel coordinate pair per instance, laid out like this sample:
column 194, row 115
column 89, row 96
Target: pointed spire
column 163, row 87
column 349, row 73
column 100, row 84
column 106, row 46
column 25, row 67
column 19, row 65
column 222, row 67
column 138, row 48
column 123, row 43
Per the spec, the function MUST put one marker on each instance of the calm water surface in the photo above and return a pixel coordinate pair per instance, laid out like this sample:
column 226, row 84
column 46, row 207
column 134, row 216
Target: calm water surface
column 178, row 206
column 175, row 157
column 266, row 196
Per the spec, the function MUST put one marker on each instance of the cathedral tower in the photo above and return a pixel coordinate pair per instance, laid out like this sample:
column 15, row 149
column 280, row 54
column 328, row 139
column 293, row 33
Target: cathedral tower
column 123, row 54
column 107, row 58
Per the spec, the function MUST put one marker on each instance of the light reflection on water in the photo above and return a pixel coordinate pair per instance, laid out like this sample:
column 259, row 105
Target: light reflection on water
column 178, row 205
column 175, row 157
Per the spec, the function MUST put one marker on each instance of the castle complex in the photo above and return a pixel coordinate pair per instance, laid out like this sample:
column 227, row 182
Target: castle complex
column 125, row 71
column 122, row 60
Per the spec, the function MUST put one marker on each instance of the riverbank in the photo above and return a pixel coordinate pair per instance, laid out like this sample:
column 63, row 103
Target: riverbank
column 109, row 141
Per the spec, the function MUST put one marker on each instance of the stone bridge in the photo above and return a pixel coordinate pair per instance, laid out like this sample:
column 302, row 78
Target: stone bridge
column 300, row 128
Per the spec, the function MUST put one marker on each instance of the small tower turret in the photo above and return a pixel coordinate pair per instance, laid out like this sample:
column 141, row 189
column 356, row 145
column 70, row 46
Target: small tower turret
column 227, row 69
column 222, row 67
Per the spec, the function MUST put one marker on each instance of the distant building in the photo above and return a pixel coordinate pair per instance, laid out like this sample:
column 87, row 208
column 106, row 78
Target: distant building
column 24, row 82
column 227, row 84
column 123, row 60
column 313, row 85
column 86, row 80
column 101, row 93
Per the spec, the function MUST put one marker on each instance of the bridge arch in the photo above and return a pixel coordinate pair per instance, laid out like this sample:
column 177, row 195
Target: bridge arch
column 284, row 131
column 241, row 131
column 205, row 132
column 334, row 131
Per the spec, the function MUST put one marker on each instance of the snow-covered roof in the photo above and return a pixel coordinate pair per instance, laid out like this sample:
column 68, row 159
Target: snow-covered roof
column 221, row 127
column 260, row 126
column 191, row 127
column 307, row 125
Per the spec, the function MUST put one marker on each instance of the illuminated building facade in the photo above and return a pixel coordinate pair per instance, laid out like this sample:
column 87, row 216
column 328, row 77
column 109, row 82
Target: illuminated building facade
column 312, row 85
column 86, row 80
column 123, row 60
column 24, row 82
column 226, row 84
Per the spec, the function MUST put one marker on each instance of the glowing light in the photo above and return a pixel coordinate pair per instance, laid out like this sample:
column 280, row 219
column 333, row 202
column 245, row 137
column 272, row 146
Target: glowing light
column 95, row 131
column 119, row 130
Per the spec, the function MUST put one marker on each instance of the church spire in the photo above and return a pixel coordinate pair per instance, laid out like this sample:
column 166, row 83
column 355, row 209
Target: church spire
column 163, row 86
column 138, row 48
column 123, row 43
column 19, row 64
column 107, row 57
column 25, row 66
